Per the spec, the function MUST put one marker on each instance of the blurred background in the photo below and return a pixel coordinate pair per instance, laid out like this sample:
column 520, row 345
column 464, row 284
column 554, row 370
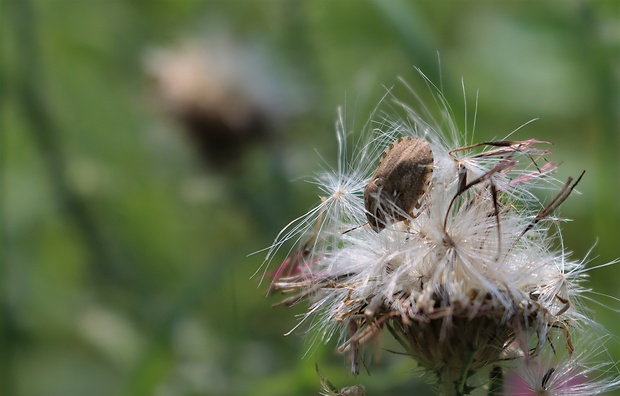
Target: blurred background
column 148, row 147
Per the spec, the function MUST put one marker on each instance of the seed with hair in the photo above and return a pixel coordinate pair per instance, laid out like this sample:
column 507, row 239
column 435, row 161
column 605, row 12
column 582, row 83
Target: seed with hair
column 401, row 179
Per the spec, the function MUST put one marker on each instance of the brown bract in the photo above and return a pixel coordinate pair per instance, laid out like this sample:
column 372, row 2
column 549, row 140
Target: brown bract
column 401, row 179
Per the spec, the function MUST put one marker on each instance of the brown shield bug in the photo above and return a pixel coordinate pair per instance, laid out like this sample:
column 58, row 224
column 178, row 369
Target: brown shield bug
column 401, row 179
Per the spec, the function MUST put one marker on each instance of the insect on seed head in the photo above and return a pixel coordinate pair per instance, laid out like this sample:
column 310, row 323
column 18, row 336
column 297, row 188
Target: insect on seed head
column 400, row 180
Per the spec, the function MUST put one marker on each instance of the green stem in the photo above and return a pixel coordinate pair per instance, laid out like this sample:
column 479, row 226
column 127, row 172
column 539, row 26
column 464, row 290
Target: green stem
column 454, row 382
column 461, row 384
column 496, row 383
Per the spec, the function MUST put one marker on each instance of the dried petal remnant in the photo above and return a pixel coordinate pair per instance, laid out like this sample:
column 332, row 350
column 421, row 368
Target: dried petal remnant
column 401, row 179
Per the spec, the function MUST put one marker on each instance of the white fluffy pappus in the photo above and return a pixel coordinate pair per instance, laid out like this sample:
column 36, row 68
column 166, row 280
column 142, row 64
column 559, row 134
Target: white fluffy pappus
column 459, row 279
column 554, row 372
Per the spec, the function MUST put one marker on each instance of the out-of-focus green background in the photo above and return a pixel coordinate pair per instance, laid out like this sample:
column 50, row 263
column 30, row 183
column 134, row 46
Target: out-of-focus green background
column 124, row 252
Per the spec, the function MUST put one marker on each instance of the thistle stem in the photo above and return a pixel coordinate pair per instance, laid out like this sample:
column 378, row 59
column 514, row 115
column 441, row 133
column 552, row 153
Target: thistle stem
column 461, row 385
column 454, row 382
column 496, row 381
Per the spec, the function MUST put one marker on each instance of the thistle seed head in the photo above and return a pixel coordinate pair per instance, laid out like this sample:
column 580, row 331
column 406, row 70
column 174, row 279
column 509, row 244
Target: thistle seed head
column 467, row 280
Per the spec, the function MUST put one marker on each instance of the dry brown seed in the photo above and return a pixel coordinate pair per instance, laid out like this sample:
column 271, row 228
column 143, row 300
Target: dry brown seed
column 401, row 179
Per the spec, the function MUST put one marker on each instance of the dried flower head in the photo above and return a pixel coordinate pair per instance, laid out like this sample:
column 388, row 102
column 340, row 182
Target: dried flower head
column 459, row 269
column 224, row 92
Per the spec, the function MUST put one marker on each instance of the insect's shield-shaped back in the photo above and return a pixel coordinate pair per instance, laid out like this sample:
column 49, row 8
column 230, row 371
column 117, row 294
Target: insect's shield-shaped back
column 399, row 182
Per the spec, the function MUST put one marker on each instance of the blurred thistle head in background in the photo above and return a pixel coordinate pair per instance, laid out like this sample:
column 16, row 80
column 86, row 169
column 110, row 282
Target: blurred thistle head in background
column 444, row 243
column 226, row 94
